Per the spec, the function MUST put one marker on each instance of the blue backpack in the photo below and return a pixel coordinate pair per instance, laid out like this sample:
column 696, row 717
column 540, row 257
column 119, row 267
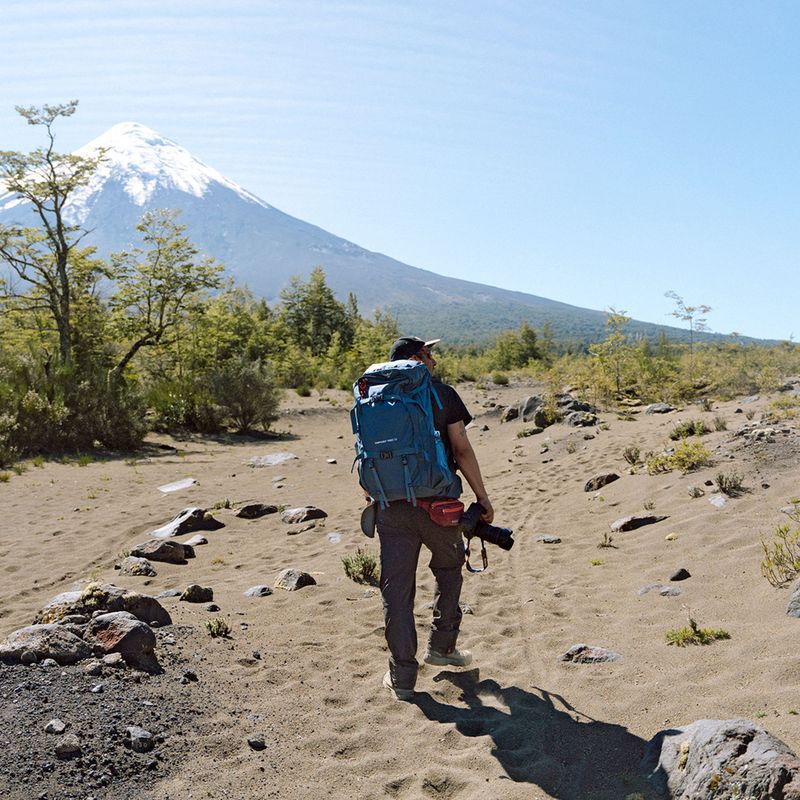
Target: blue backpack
column 400, row 453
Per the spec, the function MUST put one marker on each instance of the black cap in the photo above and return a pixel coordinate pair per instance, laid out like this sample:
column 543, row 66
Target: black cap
column 407, row 346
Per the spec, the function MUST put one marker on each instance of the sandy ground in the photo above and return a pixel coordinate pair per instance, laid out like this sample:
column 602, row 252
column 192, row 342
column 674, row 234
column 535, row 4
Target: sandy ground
column 520, row 724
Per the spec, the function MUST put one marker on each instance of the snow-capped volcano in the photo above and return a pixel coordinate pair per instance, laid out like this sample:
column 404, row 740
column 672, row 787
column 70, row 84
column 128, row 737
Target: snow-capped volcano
column 142, row 161
column 262, row 248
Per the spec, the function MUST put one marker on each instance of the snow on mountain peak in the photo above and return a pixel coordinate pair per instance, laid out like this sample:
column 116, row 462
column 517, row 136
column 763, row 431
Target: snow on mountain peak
column 143, row 161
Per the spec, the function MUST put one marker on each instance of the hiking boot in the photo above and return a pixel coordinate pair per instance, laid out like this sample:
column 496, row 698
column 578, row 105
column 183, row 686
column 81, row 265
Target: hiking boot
column 456, row 658
column 399, row 694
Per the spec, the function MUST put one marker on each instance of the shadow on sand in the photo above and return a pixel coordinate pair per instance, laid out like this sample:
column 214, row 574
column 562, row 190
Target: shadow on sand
column 539, row 738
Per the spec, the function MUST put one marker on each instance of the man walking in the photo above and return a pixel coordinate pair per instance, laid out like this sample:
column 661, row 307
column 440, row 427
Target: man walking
column 403, row 528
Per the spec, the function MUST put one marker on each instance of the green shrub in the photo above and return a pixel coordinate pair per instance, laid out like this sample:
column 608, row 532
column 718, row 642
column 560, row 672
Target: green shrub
column 218, row 627
column 687, row 456
column 361, row 567
column 500, row 378
column 631, row 454
column 692, row 634
column 694, row 427
column 781, row 562
column 729, row 483
column 720, row 424
column 303, row 391
column 247, row 393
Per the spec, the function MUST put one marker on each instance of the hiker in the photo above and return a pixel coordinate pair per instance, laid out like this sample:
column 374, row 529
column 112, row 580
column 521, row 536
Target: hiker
column 402, row 529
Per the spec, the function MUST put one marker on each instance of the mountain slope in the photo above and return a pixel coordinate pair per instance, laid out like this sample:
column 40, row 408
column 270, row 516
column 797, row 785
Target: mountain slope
column 263, row 248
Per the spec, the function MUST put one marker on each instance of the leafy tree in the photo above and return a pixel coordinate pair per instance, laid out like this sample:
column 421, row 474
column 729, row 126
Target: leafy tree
column 611, row 354
column 48, row 268
column 312, row 315
column 156, row 286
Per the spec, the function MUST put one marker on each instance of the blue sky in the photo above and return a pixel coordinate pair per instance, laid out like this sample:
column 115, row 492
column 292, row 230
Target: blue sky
column 597, row 153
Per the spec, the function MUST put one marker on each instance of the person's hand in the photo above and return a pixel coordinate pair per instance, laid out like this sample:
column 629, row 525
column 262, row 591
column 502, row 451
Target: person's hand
column 488, row 514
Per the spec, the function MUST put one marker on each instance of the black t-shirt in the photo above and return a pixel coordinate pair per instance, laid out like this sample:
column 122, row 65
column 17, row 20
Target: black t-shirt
column 452, row 410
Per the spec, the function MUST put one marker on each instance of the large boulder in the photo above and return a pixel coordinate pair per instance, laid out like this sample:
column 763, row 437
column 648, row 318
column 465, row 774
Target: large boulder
column 38, row 642
column 721, row 758
column 104, row 597
column 120, row 632
column 188, row 521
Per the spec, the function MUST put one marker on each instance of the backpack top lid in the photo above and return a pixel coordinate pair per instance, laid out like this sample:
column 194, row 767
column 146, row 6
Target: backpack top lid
column 406, row 375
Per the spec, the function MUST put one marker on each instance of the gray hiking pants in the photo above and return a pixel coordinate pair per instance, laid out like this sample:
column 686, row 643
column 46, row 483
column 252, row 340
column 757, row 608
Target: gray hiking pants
column 402, row 530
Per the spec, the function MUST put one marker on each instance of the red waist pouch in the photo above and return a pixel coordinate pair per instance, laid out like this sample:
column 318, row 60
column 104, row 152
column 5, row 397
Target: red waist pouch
column 446, row 512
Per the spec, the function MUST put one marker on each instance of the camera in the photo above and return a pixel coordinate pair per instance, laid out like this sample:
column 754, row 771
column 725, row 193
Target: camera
column 472, row 525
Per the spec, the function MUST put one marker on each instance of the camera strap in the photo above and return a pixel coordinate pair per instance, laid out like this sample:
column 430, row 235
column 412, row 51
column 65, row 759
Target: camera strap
column 484, row 558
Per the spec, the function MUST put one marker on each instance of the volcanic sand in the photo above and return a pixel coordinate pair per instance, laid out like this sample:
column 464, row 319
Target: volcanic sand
column 519, row 723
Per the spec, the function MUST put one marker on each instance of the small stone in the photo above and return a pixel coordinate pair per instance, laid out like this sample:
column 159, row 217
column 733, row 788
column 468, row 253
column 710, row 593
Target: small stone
column 670, row 591
column 258, row 591
column 671, row 537
column 195, row 541
column 764, row 485
column 55, row 726
column 331, row 460
column 28, row 657
column 170, row 593
column 114, row 660
column 257, row 742
column 212, row 607
column 133, row 565
column 680, row 575
column 255, row 510
column 190, row 675
column 547, row 539
column 69, row 746
column 138, row 739
column 303, row 514
column 589, row 654
column 293, row 579
column 97, row 688
column 197, row 594
column 708, row 483
column 49, row 662
column 599, row 481
column 633, row 522
column 93, row 668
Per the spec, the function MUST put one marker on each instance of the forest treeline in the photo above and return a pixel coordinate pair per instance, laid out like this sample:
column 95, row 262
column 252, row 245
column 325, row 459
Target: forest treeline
column 98, row 351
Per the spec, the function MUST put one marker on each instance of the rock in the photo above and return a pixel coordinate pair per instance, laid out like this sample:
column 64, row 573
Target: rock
column 187, row 521
column 103, row 598
column 195, row 541
column 753, row 398
column 580, row 419
column 659, row 408
column 270, row 460
column 213, row 607
column 49, row 662
column 599, row 481
column 509, row 414
column 120, row 632
column 136, row 566
column 197, row 594
column 294, row 531
column 790, row 510
column 55, row 726
column 670, row 591
column 541, row 419
column 680, row 575
column 721, row 759
column 547, row 539
column 93, row 667
column 566, row 403
column 138, row 739
column 68, row 746
column 257, row 742
column 255, row 510
column 484, row 428
column 168, row 552
column 258, row 591
column 330, row 460
column 793, row 608
column 293, row 579
column 589, row 654
column 114, row 660
column 171, row 593
column 528, row 407
column 633, row 522
column 37, row 642
column 294, row 515
column 718, row 501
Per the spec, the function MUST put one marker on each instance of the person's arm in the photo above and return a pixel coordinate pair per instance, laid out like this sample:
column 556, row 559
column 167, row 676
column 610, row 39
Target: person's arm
column 468, row 464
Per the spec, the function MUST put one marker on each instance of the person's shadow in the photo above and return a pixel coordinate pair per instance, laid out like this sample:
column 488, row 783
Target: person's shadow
column 540, row 738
